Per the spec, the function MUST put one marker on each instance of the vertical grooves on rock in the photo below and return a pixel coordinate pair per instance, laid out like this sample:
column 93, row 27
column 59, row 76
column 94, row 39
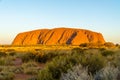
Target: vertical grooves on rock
column 39, row 38
column 45, row 36
column 49, row 36
column 31, row 36
column 39, row 35
column 61, row 37
column 42, row 35
column 47, row 32
column 71, row 38
column 24, row 39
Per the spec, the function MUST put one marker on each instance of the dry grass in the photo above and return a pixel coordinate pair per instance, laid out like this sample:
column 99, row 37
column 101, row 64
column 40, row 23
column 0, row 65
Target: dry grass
column 27, row 60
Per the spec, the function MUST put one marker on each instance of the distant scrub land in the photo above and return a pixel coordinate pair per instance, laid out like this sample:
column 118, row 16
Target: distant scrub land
column 88, row 61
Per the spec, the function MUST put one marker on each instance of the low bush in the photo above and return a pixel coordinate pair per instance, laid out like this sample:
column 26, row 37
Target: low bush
column 8, row 60
column 91, row 45
column 30, row 68
column 2, row 54
column 7, row 76
column 45, row 57
column 26, row 57
column 33, row 78
column 17, row 70
column 107, row 73
column 102, row 49
column 116, row 60
column 12, row 53
column 76, row 73
column 107, row 53
column 109, row 44
column 77, row 50
column 13, row 69
column 29, row 64
column 58, row 65
column 38, row 57
column 45, row 75
column 94, row 62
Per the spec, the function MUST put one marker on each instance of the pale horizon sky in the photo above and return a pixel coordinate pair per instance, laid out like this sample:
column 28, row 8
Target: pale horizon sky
column 24, row 15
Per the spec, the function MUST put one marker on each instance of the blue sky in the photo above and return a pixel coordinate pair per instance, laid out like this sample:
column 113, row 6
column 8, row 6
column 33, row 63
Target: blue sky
column 23, row 15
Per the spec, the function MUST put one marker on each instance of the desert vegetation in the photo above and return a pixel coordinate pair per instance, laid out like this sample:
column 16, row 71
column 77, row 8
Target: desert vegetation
column 84, row 62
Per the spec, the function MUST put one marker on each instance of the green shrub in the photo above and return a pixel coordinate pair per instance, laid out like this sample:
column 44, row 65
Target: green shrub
column 29, row 64
column 38, row 57
column 109, row 44
column 12, row 53
column 107, row 52
column 17, row 70
column 2, row 61
column 7, row 76
column 45, row 57
column 58, row 65
column 33, row 78
column 91, row 45
column 8, row 60
column 107, row 73
column 2, row 54
column 116, row 60
column 45, row 75
column 78, row 50
column 13, row 69
column 102, row 49
column 94, row 62
column 76, row 73
column 30, row 68
column 26, row 57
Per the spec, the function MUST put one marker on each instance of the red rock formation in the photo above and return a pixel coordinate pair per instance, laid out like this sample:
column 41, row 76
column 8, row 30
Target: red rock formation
column 58, row 36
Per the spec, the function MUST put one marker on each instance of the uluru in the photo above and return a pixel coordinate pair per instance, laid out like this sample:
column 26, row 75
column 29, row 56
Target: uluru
column 58, row 36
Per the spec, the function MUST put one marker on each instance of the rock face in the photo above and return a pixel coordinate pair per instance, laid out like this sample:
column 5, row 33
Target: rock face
column 58, row 36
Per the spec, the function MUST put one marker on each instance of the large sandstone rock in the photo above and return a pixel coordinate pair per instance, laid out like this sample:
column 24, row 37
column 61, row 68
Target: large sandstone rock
column 58, row 36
